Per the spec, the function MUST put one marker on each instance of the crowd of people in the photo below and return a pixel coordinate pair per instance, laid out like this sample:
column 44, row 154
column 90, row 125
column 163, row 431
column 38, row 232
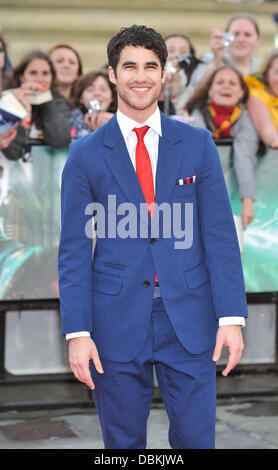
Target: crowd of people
column 227, row 90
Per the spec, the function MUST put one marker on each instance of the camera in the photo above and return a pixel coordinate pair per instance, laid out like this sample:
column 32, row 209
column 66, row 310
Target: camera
column 228, row 39
column 94, row 107
column 187, row 62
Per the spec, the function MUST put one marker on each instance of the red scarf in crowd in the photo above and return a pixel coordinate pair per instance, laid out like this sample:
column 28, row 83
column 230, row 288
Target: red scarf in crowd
column 223, row 118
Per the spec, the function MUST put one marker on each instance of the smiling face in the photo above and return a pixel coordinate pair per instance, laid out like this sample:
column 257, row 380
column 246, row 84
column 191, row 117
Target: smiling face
column 100, row 90
column 226, row 88
column 246, row 39
column 66, row 65
column 37, row 71
column 139, row 78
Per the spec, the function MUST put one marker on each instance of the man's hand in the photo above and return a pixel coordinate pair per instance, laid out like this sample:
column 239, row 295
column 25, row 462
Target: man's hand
column 230, row 336
column 81, row 351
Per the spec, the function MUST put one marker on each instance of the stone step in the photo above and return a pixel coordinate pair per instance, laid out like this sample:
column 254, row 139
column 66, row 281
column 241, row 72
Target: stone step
column 88, row 24
column 95, row 21
column 158, row 5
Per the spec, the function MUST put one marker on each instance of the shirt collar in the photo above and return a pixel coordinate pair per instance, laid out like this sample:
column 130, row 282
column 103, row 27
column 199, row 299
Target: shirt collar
column 127, row 124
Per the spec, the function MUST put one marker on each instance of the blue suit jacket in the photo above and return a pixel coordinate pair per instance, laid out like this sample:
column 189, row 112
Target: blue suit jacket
column 108, row 295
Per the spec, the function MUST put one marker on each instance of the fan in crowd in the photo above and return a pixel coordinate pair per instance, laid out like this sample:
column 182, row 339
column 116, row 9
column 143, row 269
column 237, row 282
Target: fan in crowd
column 94, row 86
column 262, row 104
column 5, row 63
column 68, row 67
column 48, row 121
column 5, row 66
column 183, row 72
column 235, row 47
column 68, row 116
column 220, row 108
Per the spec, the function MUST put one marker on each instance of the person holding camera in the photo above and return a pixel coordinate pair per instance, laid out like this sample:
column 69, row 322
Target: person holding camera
column 234, row 47
column 95, row 102
column 182, row 69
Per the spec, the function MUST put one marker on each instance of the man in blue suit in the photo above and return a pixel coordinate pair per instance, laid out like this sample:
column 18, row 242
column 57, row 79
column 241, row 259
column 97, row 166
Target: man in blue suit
column 165, row 286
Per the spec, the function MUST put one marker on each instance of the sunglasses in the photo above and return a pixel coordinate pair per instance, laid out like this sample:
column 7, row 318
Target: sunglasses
column 2, row 48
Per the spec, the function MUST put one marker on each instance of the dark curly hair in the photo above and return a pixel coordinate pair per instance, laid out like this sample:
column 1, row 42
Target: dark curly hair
column 136, row 36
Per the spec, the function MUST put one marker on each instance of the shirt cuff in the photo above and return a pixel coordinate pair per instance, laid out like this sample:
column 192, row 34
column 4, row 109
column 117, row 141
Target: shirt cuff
column 224, row 321
column 77, row 334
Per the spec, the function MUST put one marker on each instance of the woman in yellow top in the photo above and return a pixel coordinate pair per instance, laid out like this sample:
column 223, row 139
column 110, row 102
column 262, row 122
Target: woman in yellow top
column 262, row 104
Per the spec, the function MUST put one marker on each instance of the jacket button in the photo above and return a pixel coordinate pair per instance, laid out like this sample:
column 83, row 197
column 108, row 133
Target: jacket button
column 146, row 283
column 152, row 240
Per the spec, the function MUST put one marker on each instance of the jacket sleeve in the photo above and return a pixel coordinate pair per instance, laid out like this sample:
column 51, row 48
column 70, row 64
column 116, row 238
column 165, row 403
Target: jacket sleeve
column 245, row 147
column 17, row 146
column 56, row 126
column 75, row 248
column 219, row 238
column 56, row 129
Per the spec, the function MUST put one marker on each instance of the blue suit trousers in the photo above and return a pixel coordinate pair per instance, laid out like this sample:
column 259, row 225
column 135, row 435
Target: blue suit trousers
column 187, row 384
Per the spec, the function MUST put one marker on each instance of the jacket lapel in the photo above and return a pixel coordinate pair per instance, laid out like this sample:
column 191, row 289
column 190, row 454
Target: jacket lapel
column 120, row 164
column 169, row 160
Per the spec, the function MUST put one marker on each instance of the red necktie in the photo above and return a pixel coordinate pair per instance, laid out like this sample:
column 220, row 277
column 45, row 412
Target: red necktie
column 144, row 168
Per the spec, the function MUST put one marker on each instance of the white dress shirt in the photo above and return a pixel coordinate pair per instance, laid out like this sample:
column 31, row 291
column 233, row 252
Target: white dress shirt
column 151, row 141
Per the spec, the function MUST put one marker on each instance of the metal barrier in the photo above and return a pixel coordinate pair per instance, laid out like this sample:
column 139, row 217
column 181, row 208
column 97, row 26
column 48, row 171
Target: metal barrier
column 29, row 235
column 259, row 258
